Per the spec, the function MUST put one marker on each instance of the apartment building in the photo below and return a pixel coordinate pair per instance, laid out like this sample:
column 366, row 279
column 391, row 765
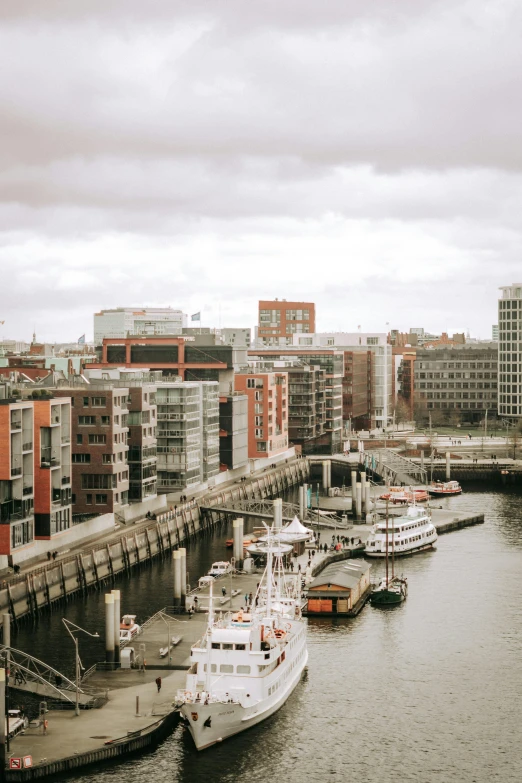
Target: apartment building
column 358, row 383
column 233, row 431
column 279, row 319
column 124, row 321
column 458, row 379
column 331, row 361
column 306, row 405
column 510, row 351
column 142, row 454
column 99, row 444
column 267, row 394
column 52, row 466
column 186, row 455
column 16, row 475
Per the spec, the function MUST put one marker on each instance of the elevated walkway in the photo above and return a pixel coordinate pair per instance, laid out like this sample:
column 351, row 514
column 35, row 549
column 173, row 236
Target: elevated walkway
column 264, row 510
column 34, row 676
column 393, row 467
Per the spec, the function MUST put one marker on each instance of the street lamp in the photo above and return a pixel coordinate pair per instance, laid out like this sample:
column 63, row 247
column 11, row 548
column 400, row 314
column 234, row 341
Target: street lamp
column 71, row 629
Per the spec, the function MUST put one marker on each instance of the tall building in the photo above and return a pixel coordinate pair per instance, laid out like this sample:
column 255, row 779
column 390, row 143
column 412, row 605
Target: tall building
column 239, row 337
column 267, row 394
column 52, row 466
column 494, row 333
column 125, row 321
column 456, row 382
column 280, row 319
column 186, row 455
column 16, row 475
column 510, row 351
column 233, row 431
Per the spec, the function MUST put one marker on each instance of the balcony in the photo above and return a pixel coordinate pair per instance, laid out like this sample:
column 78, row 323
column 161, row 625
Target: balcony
column 66, row 479
column 16, row 471
column 27, row 491
column 27, row 446
column 66, row 439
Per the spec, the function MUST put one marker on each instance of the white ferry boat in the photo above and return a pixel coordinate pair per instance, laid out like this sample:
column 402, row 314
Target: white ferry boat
column 443, row 488
column 129, row 628
column 413, row 532
column 249, row 662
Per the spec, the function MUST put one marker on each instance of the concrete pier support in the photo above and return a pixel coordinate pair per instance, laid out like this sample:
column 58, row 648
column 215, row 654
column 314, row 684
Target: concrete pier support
column 117, row 619
column 358, row 500
column 183, row 576
column 363, row 491
column 368, row 499
column 448, row 466
column 301, row 503
column 3, row 731
column 278, row 514
column 176, row 562
column 109, row 628
column 326, row 475
column 354, row 484
column 422, row 459
column 305, row 488
column 238, row 540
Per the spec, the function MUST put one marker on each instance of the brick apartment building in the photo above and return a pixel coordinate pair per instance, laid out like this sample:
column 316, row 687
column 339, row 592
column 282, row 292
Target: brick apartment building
column 267, row 394
column 99, row 444
column 279, row 319
column 52, row 466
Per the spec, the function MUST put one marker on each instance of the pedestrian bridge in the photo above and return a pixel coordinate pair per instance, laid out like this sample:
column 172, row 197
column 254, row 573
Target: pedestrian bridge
column 264, row 509
column 27, row 673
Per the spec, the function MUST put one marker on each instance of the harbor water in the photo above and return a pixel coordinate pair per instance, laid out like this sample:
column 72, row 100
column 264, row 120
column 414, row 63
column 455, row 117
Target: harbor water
column 429, row 691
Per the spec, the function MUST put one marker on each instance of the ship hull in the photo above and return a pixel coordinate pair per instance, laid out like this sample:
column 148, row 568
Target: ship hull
column 224, row 720
column 402, row 553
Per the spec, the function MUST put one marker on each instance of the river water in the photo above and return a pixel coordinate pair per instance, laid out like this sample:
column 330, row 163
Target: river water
column 430, row 691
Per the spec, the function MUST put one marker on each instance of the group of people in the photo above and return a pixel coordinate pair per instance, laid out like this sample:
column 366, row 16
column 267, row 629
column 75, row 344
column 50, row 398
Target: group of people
column 52, row 555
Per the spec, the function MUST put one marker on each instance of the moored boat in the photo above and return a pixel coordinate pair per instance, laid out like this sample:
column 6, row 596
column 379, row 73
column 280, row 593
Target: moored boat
column 129, row 628
column 405, row 495
column 248, row 662
column 443, row 488
column 390, row 591
column 412, row 532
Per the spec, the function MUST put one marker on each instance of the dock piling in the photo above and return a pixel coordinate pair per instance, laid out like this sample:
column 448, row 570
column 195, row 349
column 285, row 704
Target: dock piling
column 183, row 576
column 176, row 562
column 301, row 502
column 363, row 491
column 109, row 628
column 117, row 619
column 238, row 540
column 358, row 501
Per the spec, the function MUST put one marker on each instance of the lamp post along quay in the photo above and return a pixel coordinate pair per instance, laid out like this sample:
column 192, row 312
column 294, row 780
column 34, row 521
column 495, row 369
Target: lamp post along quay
column 73, row 629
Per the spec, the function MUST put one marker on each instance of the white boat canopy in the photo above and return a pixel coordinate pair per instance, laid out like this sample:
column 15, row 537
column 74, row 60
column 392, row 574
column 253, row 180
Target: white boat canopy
column 295, row 531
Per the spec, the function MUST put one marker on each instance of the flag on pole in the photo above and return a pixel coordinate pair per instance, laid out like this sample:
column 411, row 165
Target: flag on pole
column 195, row 317
column 81, row 340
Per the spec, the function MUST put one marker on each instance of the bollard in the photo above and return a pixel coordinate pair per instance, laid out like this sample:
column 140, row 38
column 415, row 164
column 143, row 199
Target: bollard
column 117, row 620
column 363, row 491
column 358, row 504
column 176, row 561
column 448, row 466
column 138, row 707
column 183, row 576
column 109, row 628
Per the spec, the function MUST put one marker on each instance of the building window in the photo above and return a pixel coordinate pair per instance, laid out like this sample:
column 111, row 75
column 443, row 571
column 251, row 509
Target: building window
column 372, row 341
column 107, row 459
column 96, row 439
column 261, row 445
column 88, row 500
column 87, row 421
column 251, row 382
column 98, row 481
column 106, row 420
column 101, row 500
column 79, row 439
column 99, row 402
column 85, row 402
column 79, row 458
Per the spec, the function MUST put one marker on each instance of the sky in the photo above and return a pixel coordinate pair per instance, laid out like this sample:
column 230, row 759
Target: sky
column 361, row 154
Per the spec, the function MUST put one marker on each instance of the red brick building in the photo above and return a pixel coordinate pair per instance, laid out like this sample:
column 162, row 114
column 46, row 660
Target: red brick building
column 267, row 394
column 279, row 319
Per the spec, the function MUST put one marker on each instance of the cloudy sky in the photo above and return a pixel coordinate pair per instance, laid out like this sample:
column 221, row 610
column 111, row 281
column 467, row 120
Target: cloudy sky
column 362, row 154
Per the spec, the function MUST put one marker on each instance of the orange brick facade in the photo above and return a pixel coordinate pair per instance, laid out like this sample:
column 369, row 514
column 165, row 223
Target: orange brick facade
column 281, row 319
column 267, row 412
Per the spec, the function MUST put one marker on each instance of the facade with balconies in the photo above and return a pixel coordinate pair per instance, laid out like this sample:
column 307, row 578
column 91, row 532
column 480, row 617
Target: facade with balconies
column 16, row 476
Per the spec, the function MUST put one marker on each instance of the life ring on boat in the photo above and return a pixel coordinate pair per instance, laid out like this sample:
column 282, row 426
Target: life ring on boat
column 288, row 627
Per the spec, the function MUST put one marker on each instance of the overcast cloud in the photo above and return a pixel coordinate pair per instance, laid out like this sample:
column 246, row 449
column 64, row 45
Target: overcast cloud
column 362, row 154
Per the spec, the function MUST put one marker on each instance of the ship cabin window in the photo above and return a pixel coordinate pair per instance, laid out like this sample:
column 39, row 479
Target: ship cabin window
column 216, row 646
column 213, row 668
column 240, row 647
column 243, row 669
column 226, row 668
column 227, row 646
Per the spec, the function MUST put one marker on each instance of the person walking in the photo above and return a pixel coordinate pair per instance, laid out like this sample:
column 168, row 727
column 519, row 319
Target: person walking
column 250, row 598
column 223, row 591
column 158, row 683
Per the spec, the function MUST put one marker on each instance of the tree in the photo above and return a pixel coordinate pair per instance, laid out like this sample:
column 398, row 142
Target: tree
column 401, row 411
column 438, row 418
column 515, row 436
column 420, row 409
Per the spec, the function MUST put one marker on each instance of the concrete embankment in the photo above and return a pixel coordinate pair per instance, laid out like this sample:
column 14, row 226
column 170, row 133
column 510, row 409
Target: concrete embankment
column 28, row 593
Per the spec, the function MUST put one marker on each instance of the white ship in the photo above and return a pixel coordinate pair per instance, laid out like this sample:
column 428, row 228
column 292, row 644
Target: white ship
column 413, row 532
column 249, row 662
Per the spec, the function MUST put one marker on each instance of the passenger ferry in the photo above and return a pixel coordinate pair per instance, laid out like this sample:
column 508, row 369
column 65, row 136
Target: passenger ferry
column 413, row 532
column 443, row 488
column 249, row 662
column 129, row 628
column 405, row 495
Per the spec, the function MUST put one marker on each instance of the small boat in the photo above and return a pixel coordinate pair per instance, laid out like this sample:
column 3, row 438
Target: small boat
column 405, row 495
column 248, row 662
column 392, row 590
column 443, row 488
column 248, row 538
column 410, row 533
column 220, row 568
column 128, row 628
column 17, row 722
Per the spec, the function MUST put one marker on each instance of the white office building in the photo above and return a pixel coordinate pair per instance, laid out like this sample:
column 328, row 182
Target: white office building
column 377, row 342
column 127, row 321
column 510, row 351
